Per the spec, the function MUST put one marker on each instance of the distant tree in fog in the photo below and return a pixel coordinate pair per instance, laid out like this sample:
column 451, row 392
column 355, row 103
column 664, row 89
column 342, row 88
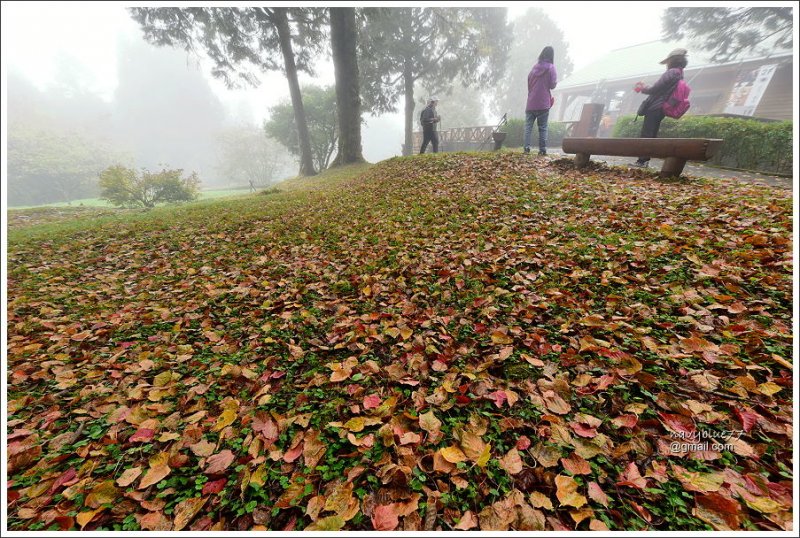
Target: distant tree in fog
column 248, row 157
column 164, row 109
column 46, row 166
column 241, row 40
column 731, row 31
column 438, row 46
column 54, row 153
column 322, row 126
column 532, row 32
column 458, row 106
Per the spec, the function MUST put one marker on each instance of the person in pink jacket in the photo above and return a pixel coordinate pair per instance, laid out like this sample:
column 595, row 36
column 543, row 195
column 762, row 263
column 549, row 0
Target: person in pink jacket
column 541, row 80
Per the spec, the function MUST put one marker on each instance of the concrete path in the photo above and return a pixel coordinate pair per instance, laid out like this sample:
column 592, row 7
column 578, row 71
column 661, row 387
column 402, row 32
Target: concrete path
column 693, row 169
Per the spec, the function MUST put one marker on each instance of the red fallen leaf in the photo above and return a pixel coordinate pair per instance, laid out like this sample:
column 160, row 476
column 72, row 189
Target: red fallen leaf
column 266, row 426
column 747, row 417
column 13, row 496
column 18, row 433
column 631, row 477
column 219, row 462
column 372, row 401
column 642, row 511
column 678, row 424
column 142, row 435
column 523, row 443
column 67, row 476
column 499, row 397
column 293, row 453
column 214, row 486
column 718, row 511
column 597, row 494
column 576, row 465
column 384, row 517
column 460, row 398
column 583, row 430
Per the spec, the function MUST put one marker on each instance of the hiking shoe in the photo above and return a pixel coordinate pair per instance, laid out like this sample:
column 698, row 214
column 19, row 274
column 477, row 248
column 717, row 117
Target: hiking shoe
column 526, row 151
column 641, row 164
column 542, row 152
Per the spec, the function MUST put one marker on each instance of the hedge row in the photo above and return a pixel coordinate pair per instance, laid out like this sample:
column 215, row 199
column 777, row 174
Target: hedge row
column 749, row 144
column 516, row 134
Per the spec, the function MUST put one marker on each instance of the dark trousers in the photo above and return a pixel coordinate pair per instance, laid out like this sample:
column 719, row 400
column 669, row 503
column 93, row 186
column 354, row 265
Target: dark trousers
column 652, row 122
column 429, row 135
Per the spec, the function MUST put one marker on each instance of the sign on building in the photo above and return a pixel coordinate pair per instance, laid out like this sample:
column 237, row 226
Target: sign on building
column 748, row 90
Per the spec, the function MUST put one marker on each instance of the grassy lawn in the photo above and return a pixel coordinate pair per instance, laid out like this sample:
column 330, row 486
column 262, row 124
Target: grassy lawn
column 438, row 342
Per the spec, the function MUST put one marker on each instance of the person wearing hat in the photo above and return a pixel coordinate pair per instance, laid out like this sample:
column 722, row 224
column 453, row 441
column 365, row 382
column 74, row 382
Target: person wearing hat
column 429, row 118
column 652, row 107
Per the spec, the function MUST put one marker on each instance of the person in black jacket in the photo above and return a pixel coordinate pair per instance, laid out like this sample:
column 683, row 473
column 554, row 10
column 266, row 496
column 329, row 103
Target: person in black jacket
column 657, row 94
column 429, row 118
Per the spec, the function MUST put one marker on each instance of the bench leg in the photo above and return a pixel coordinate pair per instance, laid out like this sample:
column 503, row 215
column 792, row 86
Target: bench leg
column 672, row 167
column 581, row 160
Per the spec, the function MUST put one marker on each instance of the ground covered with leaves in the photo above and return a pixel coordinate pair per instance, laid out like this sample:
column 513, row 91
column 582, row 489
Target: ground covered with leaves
column 451, row 341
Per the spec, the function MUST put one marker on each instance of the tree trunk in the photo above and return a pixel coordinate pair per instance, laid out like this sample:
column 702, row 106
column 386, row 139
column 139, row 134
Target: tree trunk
column 348, row 100
column 285, row 37
column 408, row 80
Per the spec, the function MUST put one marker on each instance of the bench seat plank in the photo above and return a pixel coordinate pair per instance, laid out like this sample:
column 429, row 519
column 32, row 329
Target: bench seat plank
column 675, row 151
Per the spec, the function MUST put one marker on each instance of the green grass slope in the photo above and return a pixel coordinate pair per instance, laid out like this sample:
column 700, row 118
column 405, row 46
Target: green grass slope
column 451, row 341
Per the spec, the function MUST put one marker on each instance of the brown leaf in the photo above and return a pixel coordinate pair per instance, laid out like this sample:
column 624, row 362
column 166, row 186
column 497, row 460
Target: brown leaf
column 511, row 462
column 313, row 449
column 467, row 521
column 576, row 465
column 84, row 518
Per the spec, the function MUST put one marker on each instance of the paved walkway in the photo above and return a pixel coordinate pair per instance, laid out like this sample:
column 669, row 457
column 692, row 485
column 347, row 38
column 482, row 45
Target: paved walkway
column 694, row 169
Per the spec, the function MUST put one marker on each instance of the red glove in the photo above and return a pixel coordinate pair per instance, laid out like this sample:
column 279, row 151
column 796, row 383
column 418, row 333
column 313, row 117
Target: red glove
column 638, row 87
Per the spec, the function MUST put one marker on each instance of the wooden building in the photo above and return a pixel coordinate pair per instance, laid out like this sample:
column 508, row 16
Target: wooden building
column 758, row 85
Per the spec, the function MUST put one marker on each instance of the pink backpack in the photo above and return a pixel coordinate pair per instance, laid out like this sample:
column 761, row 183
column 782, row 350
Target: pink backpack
column 677, row 104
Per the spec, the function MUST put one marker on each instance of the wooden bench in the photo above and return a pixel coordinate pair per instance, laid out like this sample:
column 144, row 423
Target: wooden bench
column 674, row 151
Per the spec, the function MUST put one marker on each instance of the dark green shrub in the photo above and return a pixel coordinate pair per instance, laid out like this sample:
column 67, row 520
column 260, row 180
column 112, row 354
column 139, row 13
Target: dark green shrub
column 749, row 144
column 516, row 133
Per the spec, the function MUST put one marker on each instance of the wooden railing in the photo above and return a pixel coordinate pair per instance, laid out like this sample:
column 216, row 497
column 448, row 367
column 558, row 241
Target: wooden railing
column 458, row 139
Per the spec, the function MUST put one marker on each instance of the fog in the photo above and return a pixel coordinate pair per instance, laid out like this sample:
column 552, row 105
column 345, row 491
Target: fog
column 86, row 93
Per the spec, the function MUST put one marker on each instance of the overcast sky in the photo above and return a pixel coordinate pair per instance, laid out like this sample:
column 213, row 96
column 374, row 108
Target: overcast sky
column 35, row 34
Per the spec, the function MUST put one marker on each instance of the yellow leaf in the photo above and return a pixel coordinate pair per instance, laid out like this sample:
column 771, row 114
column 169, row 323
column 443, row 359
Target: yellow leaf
column 483, row 459
column 769, row 388
column 540, row 500
column 85, row 517
column 159, row 469
column 567, row 492
column 103, row 493
column 225, row 419
column 405, row 332
column 186, row 510
column 499, row 337
column 330, row 523
column 765, row 505
column 355, row 424
column 453, row 454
